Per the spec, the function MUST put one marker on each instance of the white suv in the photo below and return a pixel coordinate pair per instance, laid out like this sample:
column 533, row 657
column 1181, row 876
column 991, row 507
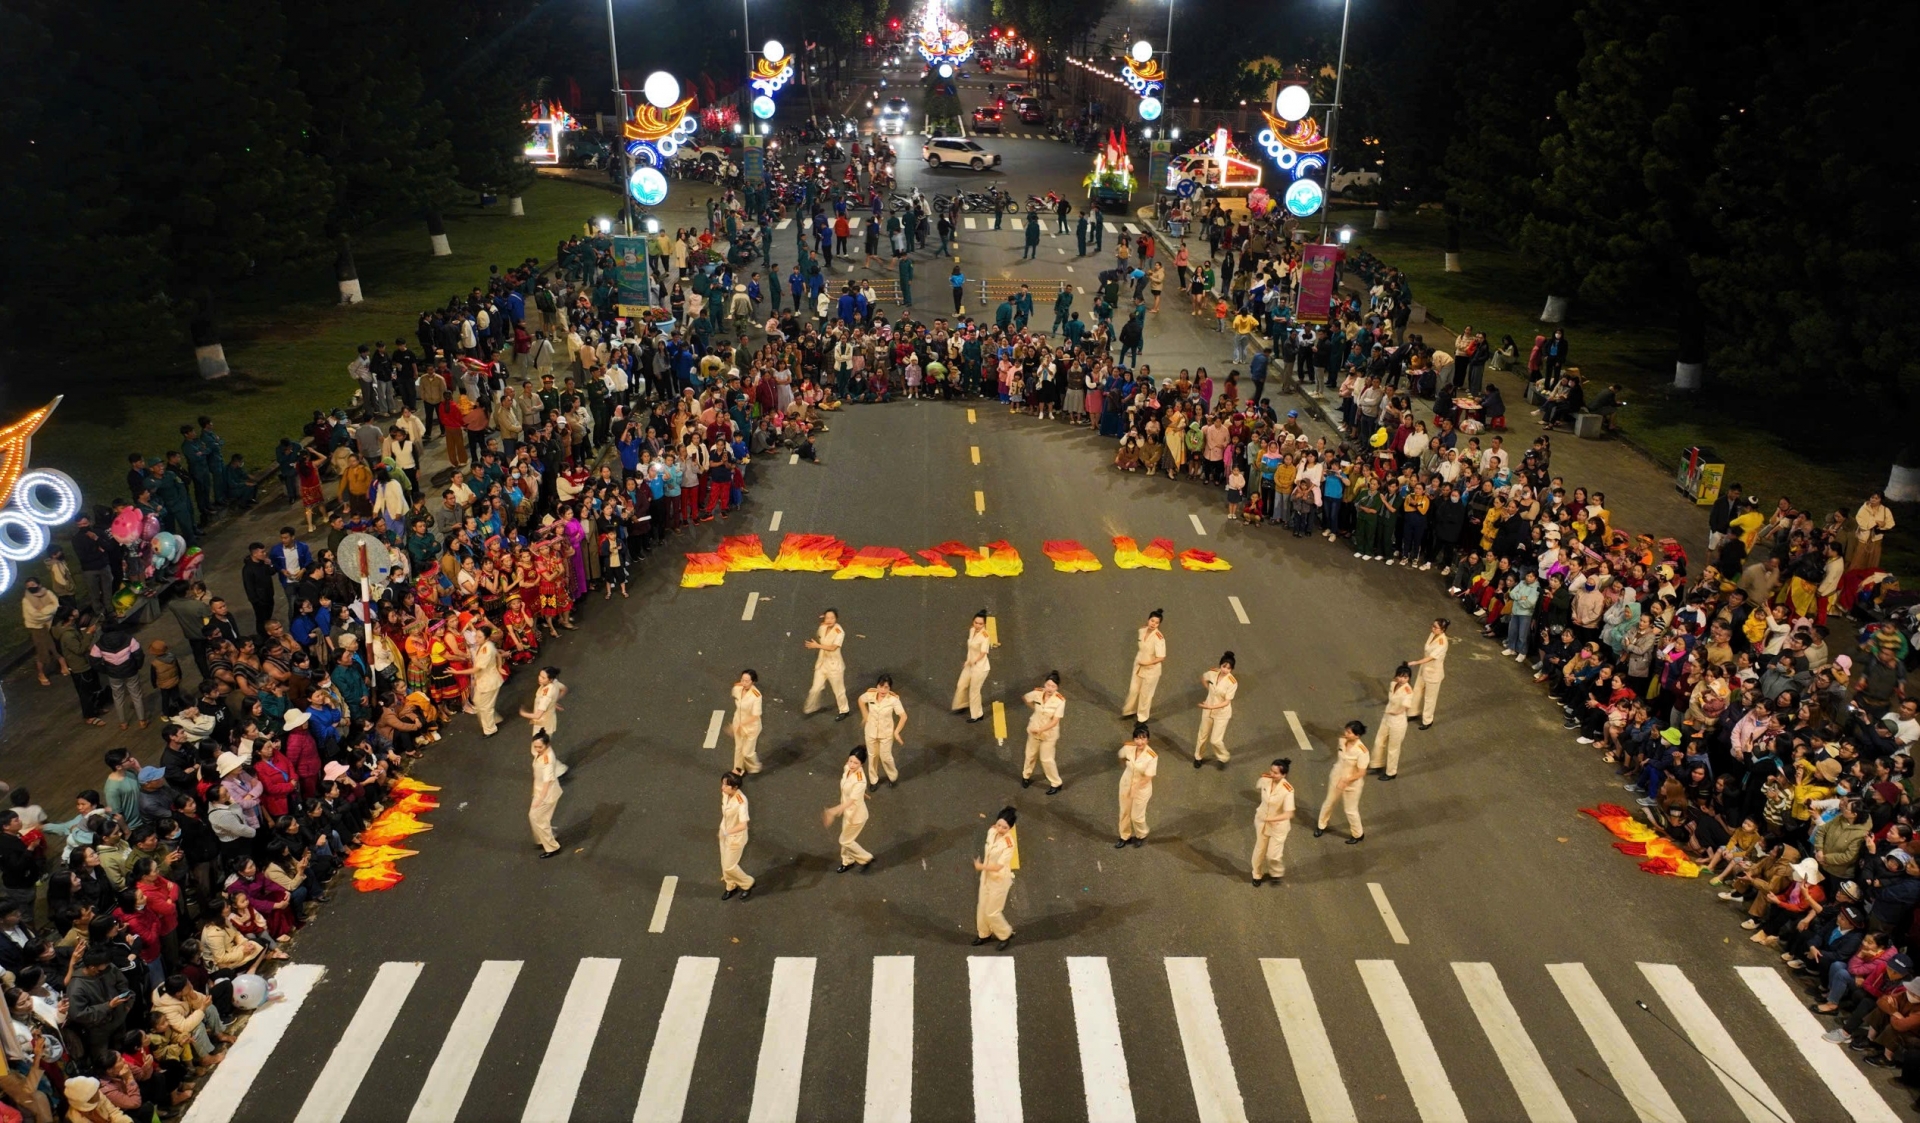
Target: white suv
column 958, row 150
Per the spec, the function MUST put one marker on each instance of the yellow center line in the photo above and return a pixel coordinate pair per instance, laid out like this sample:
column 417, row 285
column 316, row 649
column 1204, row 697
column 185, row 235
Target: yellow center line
column 970, row 417
column 976, row 454
column 993, row 630
column 999, row 721
column 979, row 502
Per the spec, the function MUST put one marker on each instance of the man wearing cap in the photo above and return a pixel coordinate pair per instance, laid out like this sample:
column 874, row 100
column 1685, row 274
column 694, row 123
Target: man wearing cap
column 1272, row 820
column 156, row 798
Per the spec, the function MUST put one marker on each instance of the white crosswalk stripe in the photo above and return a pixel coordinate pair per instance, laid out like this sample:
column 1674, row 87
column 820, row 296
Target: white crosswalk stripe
column 1629, row 1066
column 354, row 1025
column 783, row 224
column 1501, row 1022
column 1419, row 1063
column 1096, row 1021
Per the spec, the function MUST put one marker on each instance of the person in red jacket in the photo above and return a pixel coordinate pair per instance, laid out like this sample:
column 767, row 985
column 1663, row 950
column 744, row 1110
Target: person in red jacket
column 276, row 777
column 138, row 913
column 163, row 896
column 302, row 753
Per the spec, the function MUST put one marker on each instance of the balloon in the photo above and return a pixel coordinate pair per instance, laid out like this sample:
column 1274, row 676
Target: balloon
column 250, row 992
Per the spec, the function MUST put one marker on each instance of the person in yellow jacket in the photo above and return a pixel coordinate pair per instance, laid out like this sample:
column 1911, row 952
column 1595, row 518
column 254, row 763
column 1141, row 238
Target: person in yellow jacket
column 1139, row 763
column 1043, row 732
column 852, row 812
column 734, row 817
column 746, row 723
column 1385, row 759
column 995, row 864
column 1147, row 658
column 1216, row 710
column 973, row 673
column 1272, row 821
column 1344, row 785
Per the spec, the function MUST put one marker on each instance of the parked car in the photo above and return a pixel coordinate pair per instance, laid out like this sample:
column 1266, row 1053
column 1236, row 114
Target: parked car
column 986, row 120
column 1342, row 179
column 949, row 150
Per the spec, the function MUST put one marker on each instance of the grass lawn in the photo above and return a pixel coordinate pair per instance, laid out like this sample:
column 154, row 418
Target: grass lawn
column 289, row 340
column 1499, row 292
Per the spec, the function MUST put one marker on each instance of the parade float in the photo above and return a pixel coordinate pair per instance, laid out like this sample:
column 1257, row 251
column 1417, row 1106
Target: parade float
column 1110, row 183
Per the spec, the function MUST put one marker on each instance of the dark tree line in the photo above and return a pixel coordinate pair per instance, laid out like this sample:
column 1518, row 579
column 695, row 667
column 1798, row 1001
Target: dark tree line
column 166, row 153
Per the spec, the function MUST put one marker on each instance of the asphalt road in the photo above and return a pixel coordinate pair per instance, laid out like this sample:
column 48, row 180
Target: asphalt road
column 1152, row 983
column 1480, row 956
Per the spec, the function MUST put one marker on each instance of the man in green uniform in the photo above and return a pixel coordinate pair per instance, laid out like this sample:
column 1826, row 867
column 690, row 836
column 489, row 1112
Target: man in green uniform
column 906, row 280
column 170, row 492
column 1033, row 236
column 1080, row 232
column 1063, row 303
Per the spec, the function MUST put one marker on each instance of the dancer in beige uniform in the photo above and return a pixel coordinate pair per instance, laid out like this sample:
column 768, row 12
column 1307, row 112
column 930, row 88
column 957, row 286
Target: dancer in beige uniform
column 996, row 878
column 829, row 668
column 1349, row 777
column 733, row 838
column 746, row 723
column 545, row 714
column 1043, row 732
column 1138, row 765
column 1385, row 761
column 1433, row 669
column 487, row 680
column 1216, row 710
column 1272, row 820
column 853, row 806
column 546, row 796
column 1146, row 669
column 973, row 673
column 882, row 717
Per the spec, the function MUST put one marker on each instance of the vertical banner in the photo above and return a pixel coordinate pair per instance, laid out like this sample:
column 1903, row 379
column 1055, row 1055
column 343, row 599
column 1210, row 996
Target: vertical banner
column 630, row 272
column 1316, row 283
column 1159, row 154
column 753, row 159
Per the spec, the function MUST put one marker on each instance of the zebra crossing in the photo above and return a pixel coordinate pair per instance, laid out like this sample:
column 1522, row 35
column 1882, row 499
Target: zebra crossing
column 1396, row 1039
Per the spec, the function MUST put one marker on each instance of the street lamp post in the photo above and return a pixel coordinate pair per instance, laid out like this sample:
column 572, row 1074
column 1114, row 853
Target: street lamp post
column 1333, row 116
column 620, row 134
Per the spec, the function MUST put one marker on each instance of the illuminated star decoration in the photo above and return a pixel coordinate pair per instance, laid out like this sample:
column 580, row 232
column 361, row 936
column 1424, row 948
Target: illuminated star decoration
column 31, row 503
column 1146, row 79
column 656, row 134
column 1298, row 148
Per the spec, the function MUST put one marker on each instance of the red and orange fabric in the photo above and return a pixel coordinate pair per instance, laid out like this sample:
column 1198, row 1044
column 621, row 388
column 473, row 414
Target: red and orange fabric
column 1638, row 840
column 870, row 561
column 935, row 565
column 373, row 879
column 1203, row 561
column 811, row 553
column 1069, row 556
column 1127, row 553
column 391, row 827
column 366, row 857
column 996, row 559
column 704, row 571
column 743, row 552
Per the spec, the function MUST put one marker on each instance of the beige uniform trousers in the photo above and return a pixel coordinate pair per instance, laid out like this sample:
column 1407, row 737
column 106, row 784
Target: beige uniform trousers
column 1386, row 744
column 1133, row 810
column 990, row 910
column 731, row 875
column 1426, row 695
column 826, row 675
column 540, row 817
column 1040, row 748
column 880, row 759
column 1140, row 691
column 967, row 691
column 851, row 852
column 1213, row 731
column 484, row 699
column 1269, row 850
column 745, row 742
column 1350, row 800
